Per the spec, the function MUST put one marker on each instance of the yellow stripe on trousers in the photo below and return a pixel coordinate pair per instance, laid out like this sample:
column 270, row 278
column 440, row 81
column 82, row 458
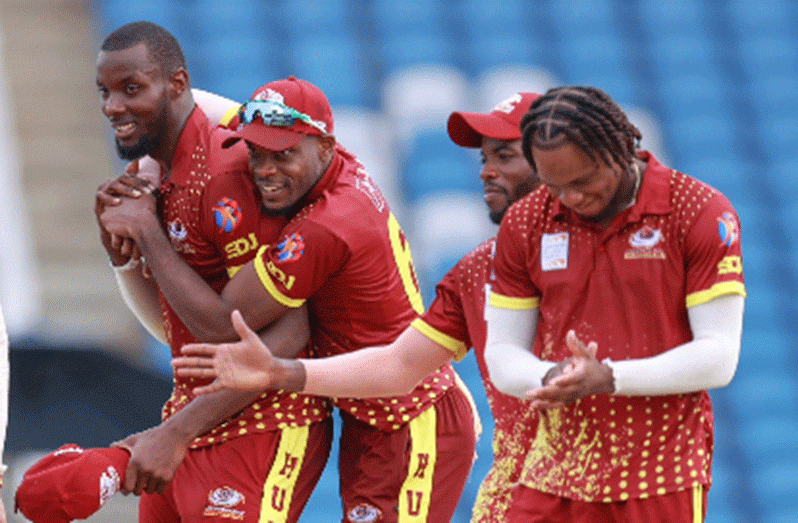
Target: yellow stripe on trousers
column 415, row 495
column 698, row 504
column 278, row 491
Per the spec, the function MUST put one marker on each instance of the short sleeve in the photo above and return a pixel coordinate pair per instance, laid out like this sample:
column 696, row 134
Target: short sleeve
column 303, row 258
column 512, row 285
column 714, row 253
column 444, row 321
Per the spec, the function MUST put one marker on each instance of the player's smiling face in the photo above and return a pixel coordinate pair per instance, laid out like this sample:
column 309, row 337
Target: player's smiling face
column 134, row 98
column 284, row 177
column 582, row 184
column 506, row 175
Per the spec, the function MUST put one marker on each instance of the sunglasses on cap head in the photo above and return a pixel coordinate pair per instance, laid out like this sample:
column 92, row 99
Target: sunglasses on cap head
column 275, row 114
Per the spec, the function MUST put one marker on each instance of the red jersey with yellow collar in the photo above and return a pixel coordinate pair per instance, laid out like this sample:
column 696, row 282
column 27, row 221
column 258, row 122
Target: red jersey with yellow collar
column 627, row 287
column 456, row 320
column 211, row 212
column 345, row 253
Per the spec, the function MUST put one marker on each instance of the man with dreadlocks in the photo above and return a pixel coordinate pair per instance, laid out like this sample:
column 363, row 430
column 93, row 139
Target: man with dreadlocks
column 618, row 302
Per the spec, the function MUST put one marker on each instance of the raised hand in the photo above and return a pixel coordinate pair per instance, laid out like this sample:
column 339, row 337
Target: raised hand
column 245, row 365
column 582, row 375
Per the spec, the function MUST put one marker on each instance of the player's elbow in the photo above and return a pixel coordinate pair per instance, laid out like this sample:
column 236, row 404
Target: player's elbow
column 496, row 370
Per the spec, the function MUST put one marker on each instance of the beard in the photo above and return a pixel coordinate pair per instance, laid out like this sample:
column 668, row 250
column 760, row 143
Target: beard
column 147, row 144
column 274, row 213
column 522, row 190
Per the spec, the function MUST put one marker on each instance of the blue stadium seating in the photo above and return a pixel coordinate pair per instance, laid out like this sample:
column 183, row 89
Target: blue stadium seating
column 575, row 17
column 300, row 20
column 335, row 64
column 484, row 51
column 762, row 17
column 666, row 18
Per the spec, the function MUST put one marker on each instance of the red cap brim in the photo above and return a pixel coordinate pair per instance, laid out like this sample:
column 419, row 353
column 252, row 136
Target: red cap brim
column 467, row 129
column 269, row 137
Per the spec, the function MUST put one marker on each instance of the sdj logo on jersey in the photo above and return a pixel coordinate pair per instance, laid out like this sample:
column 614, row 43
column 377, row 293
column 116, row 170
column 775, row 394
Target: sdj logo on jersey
column 227, row 213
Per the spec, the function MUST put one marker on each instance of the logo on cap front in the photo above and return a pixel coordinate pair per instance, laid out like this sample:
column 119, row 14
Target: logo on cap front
column 271, row 95
column 109, row 484
column 507, row 106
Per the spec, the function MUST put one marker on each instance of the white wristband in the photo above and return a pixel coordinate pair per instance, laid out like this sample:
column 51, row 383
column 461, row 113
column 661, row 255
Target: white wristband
column 132, row 263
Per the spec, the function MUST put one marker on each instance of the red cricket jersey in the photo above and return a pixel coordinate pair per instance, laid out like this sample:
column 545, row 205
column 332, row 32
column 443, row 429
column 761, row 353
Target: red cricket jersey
column 456, row 320
column 345, row 253
column 211, row 211
column 628, row 288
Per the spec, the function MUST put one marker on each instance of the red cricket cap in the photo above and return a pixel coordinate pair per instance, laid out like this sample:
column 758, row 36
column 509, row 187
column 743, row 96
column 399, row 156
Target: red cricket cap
column 502, row 123
column 71, row 483
column 300, row 95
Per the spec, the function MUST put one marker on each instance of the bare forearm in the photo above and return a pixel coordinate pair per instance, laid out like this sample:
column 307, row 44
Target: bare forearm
column 199, row 307
column 374, row 372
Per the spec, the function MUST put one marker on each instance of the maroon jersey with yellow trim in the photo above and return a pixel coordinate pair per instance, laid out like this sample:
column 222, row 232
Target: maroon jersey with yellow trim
column 627, row 287
column 345, row 253
column 456, row 320
column 211, row 212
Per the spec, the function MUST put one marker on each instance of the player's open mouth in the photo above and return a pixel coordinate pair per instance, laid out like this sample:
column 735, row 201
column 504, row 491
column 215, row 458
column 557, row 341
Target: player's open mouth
column 270, row 190
column 124, row 131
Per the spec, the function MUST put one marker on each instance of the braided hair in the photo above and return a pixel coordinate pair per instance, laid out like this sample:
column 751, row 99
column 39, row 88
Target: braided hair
column 584, row 116
column 162, row 47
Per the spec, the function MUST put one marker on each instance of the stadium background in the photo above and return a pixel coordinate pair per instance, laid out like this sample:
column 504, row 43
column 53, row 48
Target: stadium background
column 712, row 83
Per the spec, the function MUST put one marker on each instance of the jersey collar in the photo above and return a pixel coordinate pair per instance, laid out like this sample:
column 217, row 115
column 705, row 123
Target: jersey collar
column 194, row 134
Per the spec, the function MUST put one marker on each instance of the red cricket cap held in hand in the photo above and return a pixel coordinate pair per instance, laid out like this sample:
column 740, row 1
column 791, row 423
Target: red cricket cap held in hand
column 280, row 113
column 71, row 483
column 502, row 123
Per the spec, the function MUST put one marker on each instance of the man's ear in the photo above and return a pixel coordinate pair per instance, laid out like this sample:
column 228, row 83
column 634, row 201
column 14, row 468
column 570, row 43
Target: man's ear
column 178, row 83
column 326, row 147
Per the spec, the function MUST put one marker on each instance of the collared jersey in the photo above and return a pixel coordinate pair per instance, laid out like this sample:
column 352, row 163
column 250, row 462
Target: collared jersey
column 456, row 320
column 345, row 253
column 627, row 287
column 211, row 212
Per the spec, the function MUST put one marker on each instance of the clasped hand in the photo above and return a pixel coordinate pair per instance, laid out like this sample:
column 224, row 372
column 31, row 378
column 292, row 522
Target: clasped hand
column 574, row 378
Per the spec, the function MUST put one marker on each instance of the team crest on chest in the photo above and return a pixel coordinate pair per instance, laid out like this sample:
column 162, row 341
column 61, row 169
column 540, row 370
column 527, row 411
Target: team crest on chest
column 227, row 214
column 177, row 233
column 644, row 243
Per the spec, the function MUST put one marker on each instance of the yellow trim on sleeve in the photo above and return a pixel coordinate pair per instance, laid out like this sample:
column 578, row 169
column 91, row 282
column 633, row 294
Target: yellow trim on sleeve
column 517, row 304
column 265, row 278
column 229, row 115
column 719, row 289
column 454, row 345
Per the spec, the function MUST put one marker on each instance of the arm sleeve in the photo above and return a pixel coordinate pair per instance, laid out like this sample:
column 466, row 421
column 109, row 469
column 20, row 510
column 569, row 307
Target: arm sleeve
column 512, row 366
column 707, row 362
column 217, row 108
column 5, row 372
column 141, row 297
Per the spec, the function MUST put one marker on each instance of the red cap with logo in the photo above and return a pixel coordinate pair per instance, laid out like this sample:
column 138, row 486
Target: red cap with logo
column 280, row 113
column 71, row 483
column 502, row 123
